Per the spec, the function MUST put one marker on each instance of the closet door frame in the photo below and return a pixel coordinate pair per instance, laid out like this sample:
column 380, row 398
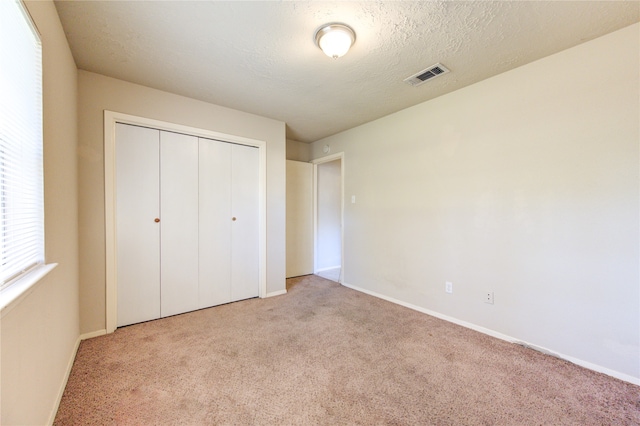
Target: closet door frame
column 110, row 120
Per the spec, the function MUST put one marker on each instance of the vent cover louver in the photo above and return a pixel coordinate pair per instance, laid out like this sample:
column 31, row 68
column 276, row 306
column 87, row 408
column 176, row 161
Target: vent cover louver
column 427, row 74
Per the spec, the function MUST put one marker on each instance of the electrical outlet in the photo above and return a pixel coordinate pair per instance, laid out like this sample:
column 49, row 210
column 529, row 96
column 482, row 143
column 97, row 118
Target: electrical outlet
column 488, row 297
column 448, row 287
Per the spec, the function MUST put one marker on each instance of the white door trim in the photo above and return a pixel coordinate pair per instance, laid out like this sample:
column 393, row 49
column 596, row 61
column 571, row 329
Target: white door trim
column 110, row 120
column 327, row 159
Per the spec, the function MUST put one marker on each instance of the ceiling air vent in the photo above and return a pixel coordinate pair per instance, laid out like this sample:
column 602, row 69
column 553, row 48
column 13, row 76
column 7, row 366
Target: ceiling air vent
column 428, row 74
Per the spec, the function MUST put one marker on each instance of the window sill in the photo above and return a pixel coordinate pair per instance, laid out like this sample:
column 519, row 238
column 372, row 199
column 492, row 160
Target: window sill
column 11, row 296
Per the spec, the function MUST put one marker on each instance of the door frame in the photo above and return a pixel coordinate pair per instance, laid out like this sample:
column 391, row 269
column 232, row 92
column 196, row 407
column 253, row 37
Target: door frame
column 111, row 118
column 316, row 162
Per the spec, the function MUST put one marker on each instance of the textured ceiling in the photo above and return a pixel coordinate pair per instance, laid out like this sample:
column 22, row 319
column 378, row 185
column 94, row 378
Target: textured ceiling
column 260, row 57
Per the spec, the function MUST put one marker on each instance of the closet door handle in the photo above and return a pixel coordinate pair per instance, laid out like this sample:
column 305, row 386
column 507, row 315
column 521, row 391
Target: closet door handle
column 156, row 220
column 233, row 219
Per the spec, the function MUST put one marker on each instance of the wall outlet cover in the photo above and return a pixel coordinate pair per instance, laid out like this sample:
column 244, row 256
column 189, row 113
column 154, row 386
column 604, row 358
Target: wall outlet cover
column 488, row 297
column 448, row 287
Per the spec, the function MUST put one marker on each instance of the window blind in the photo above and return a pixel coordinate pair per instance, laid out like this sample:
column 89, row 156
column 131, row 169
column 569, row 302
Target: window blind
column 21, row 177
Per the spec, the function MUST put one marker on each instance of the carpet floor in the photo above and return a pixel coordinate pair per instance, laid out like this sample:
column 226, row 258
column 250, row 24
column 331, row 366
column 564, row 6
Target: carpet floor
column 324, row 354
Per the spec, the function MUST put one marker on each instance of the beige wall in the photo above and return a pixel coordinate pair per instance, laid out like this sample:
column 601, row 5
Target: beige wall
column 40, row 333
column 299, row 218
column 525, row 184
column 298, row 151
column 98, row 93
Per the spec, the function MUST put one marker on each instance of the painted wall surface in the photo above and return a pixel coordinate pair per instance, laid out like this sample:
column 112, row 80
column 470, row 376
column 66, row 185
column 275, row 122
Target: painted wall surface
column 525, row 184
column 329, row 232
column 298, row 151
column 299, row 218
column 98, row 93
column 40, row 333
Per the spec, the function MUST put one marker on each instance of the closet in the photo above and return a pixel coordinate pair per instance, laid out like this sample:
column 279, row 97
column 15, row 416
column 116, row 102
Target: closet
column 186, row 223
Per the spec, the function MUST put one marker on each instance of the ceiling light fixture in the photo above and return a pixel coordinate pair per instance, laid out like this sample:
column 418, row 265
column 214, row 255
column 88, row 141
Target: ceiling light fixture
column 335, row 39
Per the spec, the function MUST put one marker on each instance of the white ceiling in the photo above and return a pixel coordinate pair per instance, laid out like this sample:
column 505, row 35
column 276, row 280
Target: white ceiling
column 260, row 57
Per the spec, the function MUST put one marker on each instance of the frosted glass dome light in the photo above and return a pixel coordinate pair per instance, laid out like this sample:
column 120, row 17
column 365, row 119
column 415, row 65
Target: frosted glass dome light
column 335, row 39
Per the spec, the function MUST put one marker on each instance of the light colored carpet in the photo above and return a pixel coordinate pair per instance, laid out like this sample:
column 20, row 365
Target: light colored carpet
column 327, row 355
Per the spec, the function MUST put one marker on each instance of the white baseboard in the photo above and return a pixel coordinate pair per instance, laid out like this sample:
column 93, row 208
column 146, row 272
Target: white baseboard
column 581, row 363
column 93, row 334
column 277, row 293
column 72, row 358
column 63, row 385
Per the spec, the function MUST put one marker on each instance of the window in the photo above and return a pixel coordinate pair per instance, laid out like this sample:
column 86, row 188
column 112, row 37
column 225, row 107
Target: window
column 21, row 186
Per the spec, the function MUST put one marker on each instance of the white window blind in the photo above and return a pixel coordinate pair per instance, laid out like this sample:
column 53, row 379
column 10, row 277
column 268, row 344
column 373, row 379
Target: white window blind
column 21, row 187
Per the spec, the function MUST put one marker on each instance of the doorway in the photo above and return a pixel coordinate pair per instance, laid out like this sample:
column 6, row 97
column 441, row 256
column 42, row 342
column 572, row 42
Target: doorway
column 328, row 217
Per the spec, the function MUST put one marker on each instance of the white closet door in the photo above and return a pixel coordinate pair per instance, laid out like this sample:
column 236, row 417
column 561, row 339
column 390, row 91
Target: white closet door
column 245, row 228
column 179, row 223
column 138, row 235
column 215, row 223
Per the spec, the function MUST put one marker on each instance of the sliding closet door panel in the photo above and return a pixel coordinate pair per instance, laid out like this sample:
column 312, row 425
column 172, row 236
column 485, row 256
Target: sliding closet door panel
column 137, row 233
column 245, row 228
column 215, row 222
column 179, row 223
